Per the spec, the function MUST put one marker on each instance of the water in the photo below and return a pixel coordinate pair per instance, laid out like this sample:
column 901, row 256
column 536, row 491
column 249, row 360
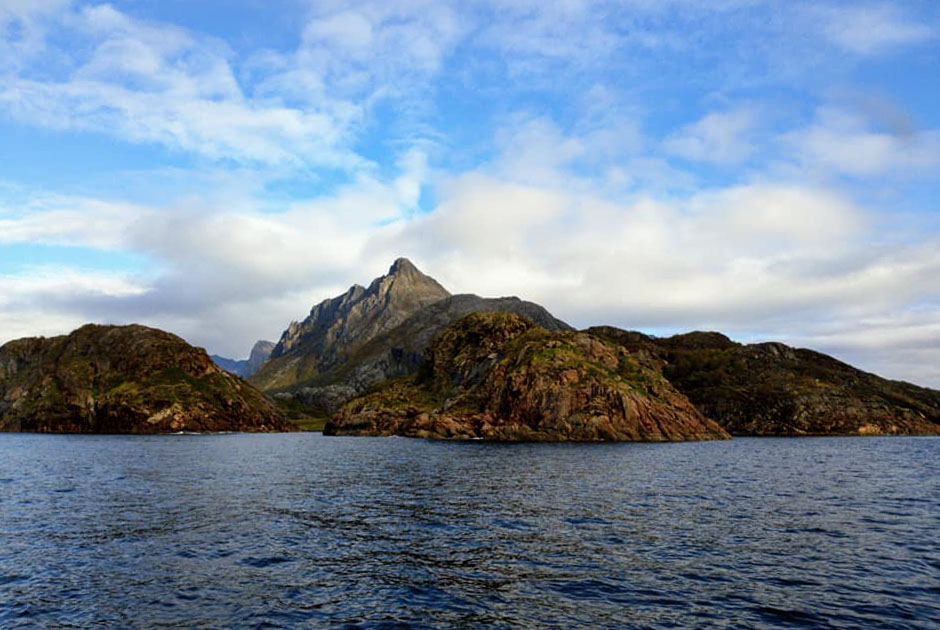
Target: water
column 304, row 531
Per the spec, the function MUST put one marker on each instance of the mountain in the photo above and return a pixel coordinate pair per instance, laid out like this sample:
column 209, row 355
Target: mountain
column 124, row 379
column 246, row 367
column 773, row 389
column 400, row 351
column 499, row 376
column 361, row 338
column 339, row 326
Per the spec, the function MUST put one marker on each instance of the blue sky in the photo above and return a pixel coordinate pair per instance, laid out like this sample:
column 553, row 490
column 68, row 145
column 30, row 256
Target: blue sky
column 766, row 168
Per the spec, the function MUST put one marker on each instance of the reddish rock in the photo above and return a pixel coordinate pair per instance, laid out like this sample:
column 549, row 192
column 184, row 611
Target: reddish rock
column 497, row 376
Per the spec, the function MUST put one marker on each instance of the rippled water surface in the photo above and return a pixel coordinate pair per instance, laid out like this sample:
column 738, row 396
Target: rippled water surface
column 305, row 531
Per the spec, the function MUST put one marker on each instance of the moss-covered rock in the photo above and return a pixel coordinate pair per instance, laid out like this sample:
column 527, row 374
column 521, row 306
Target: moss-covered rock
column 498, row 376
column 124, row 379
column 773, row 389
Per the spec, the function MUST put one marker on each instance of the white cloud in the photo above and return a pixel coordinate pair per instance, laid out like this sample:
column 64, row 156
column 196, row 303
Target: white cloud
column 159, row 84
column 846, row 143
column 872, row 29
column 720, row 137
column 778, row 261
column 56, row 220
column 799, row 262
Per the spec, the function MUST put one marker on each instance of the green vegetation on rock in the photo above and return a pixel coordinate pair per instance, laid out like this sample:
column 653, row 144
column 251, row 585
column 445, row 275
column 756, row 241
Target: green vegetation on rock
column 773, row 389
column 498, row 376
column 124, row 379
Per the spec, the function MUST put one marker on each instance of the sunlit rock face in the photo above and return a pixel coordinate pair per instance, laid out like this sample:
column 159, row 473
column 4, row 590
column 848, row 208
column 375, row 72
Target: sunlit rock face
column 499, row 376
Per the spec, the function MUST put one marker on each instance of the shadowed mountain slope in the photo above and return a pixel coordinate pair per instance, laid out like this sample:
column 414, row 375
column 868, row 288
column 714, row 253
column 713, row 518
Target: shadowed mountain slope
column 367, row 336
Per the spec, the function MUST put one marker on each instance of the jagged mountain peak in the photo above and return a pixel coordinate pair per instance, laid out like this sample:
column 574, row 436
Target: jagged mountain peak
column 338, row 326
column 246, row 367
column 402, row 265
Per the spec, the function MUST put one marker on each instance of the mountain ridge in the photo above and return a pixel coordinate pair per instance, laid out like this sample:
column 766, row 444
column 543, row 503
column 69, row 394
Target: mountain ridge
column 770, row 388
column 246, row 368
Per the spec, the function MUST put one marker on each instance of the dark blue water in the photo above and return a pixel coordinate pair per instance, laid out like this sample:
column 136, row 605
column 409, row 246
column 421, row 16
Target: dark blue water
column 304, row 531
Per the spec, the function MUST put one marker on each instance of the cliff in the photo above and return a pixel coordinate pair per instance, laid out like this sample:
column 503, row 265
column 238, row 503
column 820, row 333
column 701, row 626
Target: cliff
column 246, row 367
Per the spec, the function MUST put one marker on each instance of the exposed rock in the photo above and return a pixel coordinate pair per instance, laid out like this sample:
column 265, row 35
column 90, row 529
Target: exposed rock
column 773, row 389
column 124, row 379
column 326, row 397
column 498, row 376
column 400, row 351
column 246, row 367
column 339, row 326
column 359, row 339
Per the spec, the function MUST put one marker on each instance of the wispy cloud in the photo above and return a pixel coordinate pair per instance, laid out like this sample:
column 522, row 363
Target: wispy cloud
column 721, row 137
column 869, row 29
column 848, row 143
column 156, row 83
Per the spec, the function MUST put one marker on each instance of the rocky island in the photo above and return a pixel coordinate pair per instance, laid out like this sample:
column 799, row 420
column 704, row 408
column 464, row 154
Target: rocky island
column 370, row 335
column 773, row 389
column 124, row 379
column 498, row 376
column 363, row 359
column 404, row 356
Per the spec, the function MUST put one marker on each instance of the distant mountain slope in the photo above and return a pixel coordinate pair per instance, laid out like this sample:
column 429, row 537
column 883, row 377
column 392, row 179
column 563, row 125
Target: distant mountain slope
column 499, row 376
column 246, row 367
column 773, row 389
column 124, row 379
column 339, row 326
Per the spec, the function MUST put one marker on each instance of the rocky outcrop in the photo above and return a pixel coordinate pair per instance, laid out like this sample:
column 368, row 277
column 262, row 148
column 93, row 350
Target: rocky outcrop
column 338, row 327
column 368, row 336
column 499, row 376
column 124, row 379
column 246, row 367
column 400, row 351
column 773, row 389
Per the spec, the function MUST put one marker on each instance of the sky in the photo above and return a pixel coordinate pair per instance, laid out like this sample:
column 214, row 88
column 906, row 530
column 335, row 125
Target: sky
column 766, row 168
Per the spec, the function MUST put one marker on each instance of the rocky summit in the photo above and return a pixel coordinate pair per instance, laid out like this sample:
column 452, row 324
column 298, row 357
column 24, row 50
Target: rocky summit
column 339, row 326
column 499, row 376
column 124, row 379
column 246, row 367
column 773, row 389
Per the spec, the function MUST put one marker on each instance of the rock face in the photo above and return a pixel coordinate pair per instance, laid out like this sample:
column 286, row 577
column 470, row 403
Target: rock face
column 400, row 351
column 246, row 367
column 773, row 389
column 498, row 376
column 124, row 379
column 338, row 327
column 368, row 336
